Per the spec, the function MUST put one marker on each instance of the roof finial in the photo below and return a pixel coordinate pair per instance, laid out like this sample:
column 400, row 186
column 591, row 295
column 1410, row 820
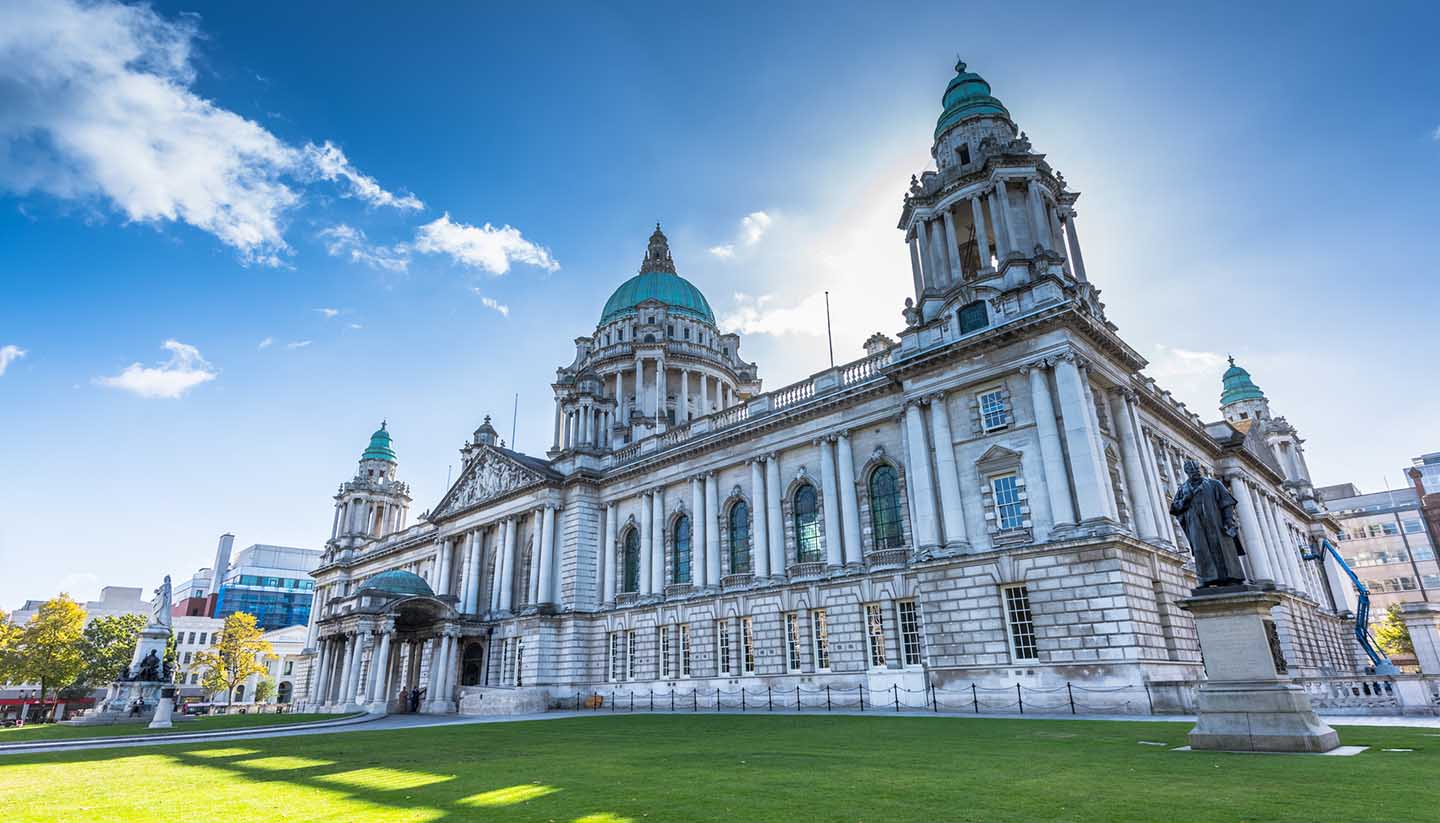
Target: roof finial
column 1231, row 358
column 382, row 424
column 959, row 65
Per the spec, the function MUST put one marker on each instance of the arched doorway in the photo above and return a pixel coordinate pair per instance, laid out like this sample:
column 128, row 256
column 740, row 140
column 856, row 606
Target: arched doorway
column 284, row 692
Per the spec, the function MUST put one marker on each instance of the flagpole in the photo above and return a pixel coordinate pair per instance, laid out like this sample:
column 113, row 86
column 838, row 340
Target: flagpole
column 828, row 336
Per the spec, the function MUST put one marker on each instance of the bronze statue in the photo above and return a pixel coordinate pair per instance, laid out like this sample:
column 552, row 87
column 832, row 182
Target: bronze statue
column 1206, row 511
column 149, row 667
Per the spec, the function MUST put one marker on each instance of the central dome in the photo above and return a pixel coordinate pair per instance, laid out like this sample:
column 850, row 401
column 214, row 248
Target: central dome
column 657, row 280
column 399, row 582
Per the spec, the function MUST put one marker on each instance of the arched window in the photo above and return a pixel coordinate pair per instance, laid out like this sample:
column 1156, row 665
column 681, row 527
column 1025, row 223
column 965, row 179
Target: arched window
column 471, row 669
column 807, row 526
column 240, row 693
column 885, row 508
column 680, row 562
column 631, row 581
column 740, row 538
column 285, row 692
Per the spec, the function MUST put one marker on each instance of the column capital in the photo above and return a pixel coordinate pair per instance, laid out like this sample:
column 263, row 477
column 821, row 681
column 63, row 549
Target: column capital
column 1039, row 364
column 772, row 456
column 935, row 397
column 842, row 435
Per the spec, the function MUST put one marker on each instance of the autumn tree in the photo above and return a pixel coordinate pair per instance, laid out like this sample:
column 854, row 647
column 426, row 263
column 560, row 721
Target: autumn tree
column 1391, row 633
column 106, row 645
column 9, row 649
column 240, row 653
column 48, row 651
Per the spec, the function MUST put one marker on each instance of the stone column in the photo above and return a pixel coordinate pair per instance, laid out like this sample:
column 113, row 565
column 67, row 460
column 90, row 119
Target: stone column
column 1251, row 538
column 1087, row 464
column 507, row 583
column 684, row 414
column 952, row 246
column 548, row 576
column 1057, row 480
column 1077, row 263
column 657, row 542
column 532, row 583
column 659, row 388
column 977, row 216
column 335, row 524
column 357, row 663
column 773, row 515
column 995, row 200
column 647, row 540
column 639, row 383
column 829, row 488
column 317, row 671
column 380, row 669
column 612, row 569
column 347, row 667
column 915, row 272
column 927, row 536
column 499, row 569
column 556, row 445
column 759, row 529
column 1423, row 621
column 467, row 568
column 1130, row 459
column 698, row 531
column 620, row 395
column 952, row 511
column 1107, row 487
column 712, row 528
column 704, row 394
column 1156, row 472
column 1286, row 561
column 1038, row 222
column 850, row 502
column 937, row 248
column 927, row 262
column 477, row 550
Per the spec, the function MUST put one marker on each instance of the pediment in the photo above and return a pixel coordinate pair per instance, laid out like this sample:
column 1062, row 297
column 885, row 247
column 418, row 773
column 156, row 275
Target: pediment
column 997, row 457
column 489, row 476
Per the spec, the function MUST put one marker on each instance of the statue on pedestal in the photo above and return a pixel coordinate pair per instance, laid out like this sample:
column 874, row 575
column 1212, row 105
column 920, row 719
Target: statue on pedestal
column 1206, row 511
column 150, row 667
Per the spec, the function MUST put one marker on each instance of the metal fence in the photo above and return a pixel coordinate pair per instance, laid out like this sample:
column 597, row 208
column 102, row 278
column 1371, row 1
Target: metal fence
column 1066, row 699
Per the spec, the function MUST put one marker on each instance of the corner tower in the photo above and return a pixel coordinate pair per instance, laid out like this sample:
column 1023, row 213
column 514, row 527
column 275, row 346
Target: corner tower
column 991, row 228
column 373, row 503
column 656, row 361
column 1247, row 408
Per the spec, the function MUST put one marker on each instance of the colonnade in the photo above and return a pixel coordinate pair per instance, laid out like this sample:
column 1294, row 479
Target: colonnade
column 360, row 515
column 936, row 259
column 586, row 421
column 368, row 665
column 466, row 551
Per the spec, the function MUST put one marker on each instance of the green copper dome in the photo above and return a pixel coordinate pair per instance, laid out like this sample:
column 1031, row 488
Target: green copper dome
column 1238, row 386
column 379, row 448
column 968, row 95
column 398, row 582
column 657, row 280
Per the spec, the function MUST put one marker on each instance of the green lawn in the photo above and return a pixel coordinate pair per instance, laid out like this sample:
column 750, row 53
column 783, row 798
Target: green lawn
column 54, row 731
column 730, row 768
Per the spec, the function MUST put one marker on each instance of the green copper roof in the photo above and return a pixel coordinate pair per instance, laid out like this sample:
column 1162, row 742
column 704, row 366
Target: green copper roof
column 657, row 280
column 1238, row 386
column 968, row 95
column 398, row 582
column 379, row 448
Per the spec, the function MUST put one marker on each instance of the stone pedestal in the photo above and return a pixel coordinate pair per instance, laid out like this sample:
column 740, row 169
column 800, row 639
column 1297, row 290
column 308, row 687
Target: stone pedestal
column 1423, row 621
column 1248, row 702
column 165, row 710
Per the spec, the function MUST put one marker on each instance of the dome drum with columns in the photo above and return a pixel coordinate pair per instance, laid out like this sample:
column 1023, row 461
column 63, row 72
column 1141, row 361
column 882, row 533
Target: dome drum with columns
column 688, row 531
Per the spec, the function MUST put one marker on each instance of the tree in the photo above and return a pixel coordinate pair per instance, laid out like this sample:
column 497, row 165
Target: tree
column 48, row 652
column 239, row 653
column 9, row 649
column 264, row 689
column 106, row 645
column 1391, row 633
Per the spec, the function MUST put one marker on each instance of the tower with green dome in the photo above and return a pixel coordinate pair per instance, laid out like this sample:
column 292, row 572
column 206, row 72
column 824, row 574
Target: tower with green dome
column 1241, row 401
column 372, row 503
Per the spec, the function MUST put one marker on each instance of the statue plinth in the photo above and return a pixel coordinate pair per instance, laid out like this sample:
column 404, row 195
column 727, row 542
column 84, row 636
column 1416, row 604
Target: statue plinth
column 1248, row 702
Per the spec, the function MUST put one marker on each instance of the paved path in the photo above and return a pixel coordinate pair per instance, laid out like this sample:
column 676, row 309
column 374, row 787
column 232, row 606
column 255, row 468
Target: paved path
column 423, row 721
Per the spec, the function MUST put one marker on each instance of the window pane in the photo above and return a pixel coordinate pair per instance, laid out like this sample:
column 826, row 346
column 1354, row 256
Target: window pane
column 1008, row 512
column 739, row 538
column 632, row 561
column 885, row 508
column 875, row 633
column 820, row 630
column 807, row 526
column 792, row 641
column 747, row 643
column 1022, row 624
column 909, row 633
column 681, row 560
column 993, row 414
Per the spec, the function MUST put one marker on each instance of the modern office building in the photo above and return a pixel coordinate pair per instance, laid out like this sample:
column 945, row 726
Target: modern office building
column 1383, row 538
column 272, row 583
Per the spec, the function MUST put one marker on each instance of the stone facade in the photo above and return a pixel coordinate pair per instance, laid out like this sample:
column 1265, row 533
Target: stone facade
column 984, row 501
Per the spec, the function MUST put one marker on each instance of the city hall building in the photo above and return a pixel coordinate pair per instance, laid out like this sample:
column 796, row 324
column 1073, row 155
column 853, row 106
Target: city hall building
column 984, row 500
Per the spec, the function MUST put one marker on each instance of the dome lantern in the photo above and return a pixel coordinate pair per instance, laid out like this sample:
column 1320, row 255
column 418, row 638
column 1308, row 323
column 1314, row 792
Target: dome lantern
column 658, row 281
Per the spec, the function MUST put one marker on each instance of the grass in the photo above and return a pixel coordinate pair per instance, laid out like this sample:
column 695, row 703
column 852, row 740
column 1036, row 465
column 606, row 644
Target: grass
column 54, row 731
column 730, row 768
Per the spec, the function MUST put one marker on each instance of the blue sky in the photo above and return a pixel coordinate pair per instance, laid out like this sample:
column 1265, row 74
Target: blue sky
column 180, row 183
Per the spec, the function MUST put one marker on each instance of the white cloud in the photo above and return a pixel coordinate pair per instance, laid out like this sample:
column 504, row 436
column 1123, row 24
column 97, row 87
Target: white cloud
column 483, row 247
column 753, row 228
column 185, row 370
column 493, row 304
column 347, row 241
column 9, row 354
column 99, row 105
column 758, row 315
column 1435, row 135
column 329, row 313
column 266, row 343
column 298, row 344
column 330, row 163
column 356, row 326
column 81, row 586
column 1193, row 377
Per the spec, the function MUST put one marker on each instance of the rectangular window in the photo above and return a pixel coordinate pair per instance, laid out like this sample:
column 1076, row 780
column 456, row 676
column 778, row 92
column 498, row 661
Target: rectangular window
column 617, row 668
column 1413, row 527
column 187, row 658
column 792, row 641
column 1021, row 623
column 1008, row 513
column 875, row 634
column 722, row 645
column 820, row 634
column 289, row 667
column 630, row 655
column 747, row 644
column 909, row 633
column 993, row 414
column 663, row 640
column 519, row 661
column 202, row 638
column 192, row 639
column 684, row 649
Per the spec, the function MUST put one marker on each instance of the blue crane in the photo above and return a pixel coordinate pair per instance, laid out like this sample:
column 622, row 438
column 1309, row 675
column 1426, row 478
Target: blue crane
column 1378, row 659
